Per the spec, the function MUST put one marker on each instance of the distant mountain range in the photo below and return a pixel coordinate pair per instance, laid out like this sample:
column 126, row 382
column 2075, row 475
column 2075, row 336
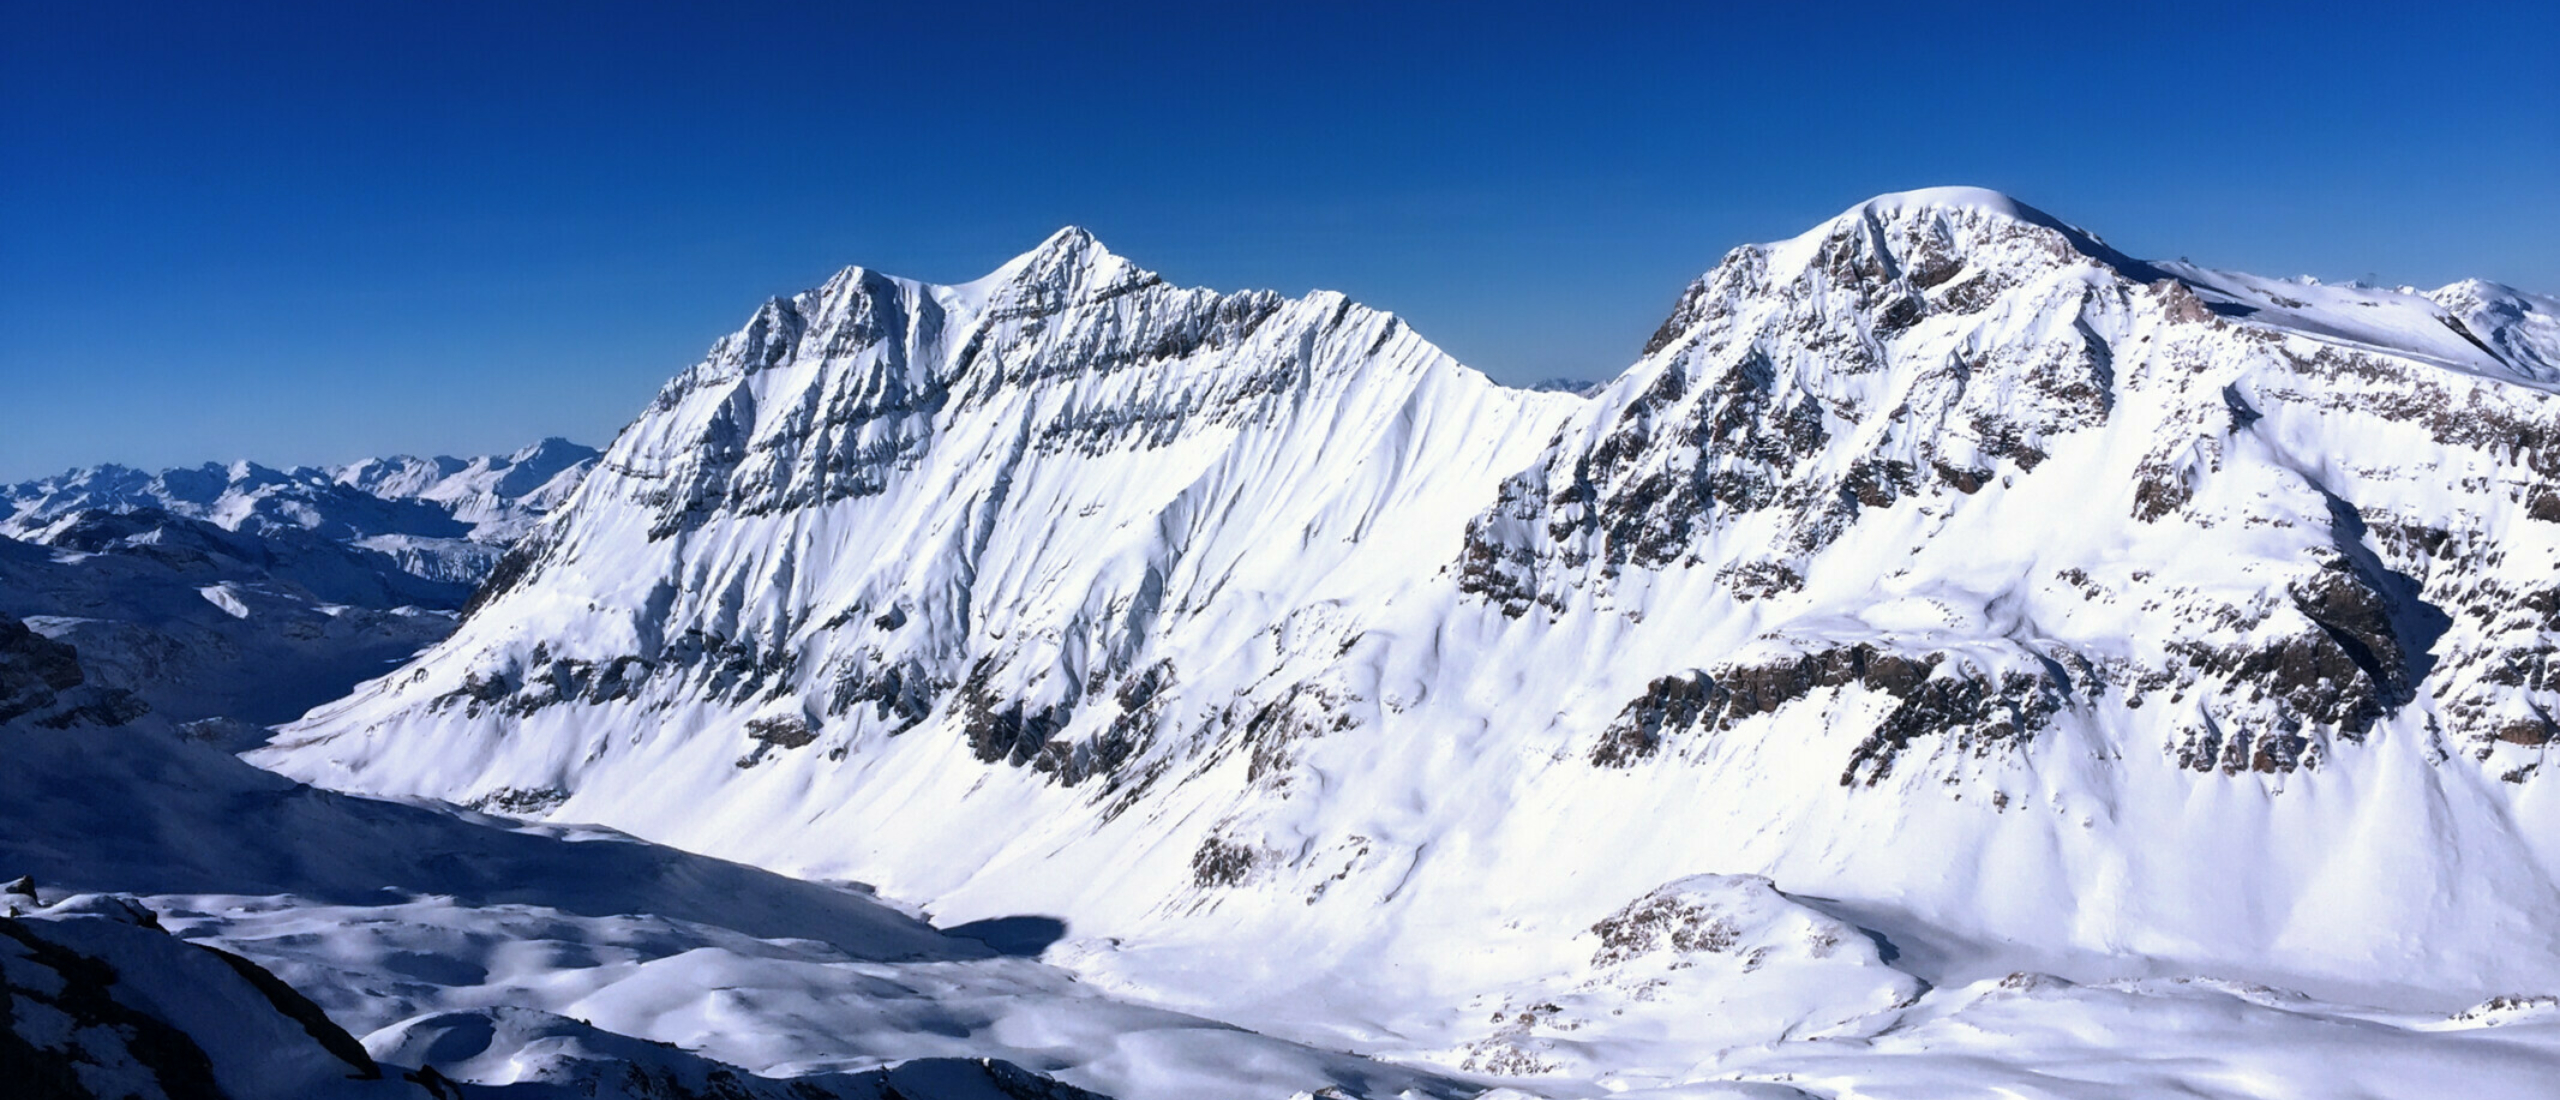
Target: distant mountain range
column 442, row 519
column 246, row 595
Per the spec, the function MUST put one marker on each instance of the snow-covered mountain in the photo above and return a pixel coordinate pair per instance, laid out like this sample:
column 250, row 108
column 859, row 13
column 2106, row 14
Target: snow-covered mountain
column 1944, row 597
column 499, row 497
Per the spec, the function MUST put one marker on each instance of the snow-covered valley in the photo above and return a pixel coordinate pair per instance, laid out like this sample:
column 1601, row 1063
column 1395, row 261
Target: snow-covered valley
column 1956, row 658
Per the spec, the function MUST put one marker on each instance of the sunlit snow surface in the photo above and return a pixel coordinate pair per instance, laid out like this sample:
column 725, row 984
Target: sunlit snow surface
column 1956, row 657
column 500, row 952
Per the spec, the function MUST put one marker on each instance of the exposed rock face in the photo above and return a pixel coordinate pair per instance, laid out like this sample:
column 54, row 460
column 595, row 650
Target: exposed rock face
column 1905, row 364
column 1800, row 382
column 1932, row 693
column 77, row 992
column 1669, row 704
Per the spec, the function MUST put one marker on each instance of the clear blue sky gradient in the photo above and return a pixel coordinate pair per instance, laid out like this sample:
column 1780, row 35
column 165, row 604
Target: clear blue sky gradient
column 312, row 233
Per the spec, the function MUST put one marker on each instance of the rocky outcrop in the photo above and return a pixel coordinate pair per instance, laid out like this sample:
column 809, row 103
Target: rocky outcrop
column 1814, row 392
column 1933, row 694
column 34, row 670
column 41, row 681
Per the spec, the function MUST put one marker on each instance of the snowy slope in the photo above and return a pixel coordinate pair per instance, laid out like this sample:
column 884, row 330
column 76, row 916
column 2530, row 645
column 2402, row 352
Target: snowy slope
column 511, row 955
column 208, row 635
column 104, row 1002
column 207, row 624
column 2012, row 603
column 526, row 960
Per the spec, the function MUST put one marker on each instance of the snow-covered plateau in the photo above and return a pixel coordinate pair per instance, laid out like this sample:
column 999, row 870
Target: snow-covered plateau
column 1956, row 658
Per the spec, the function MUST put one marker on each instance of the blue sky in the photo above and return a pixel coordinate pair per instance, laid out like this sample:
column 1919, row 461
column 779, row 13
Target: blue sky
column 311, row 233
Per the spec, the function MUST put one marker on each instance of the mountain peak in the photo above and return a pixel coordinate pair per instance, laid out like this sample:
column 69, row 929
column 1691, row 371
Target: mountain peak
column 553, row 447
column 1938, row 226
column 1951, row 198
column 1071, row 236
column 1070, row 247
column 1069, row 267
column 1902, row 207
